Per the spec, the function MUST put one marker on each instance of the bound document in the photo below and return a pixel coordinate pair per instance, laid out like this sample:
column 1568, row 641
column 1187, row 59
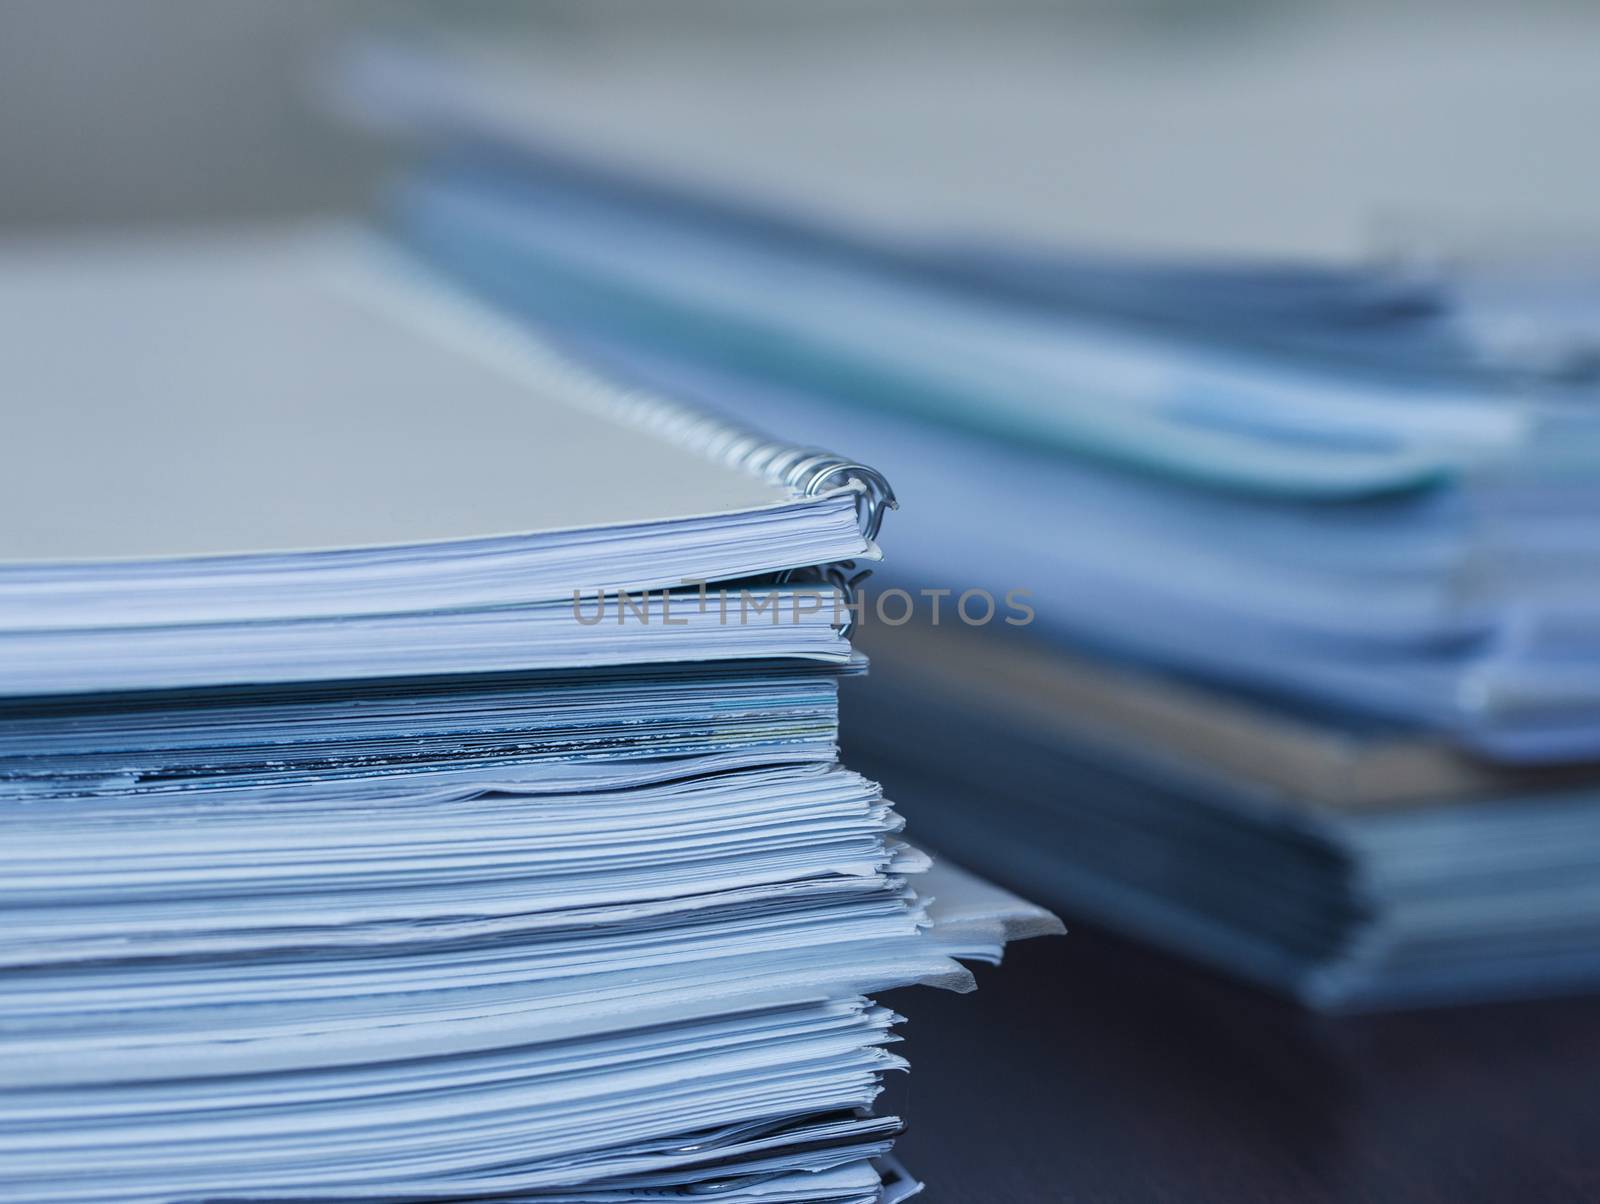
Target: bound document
column 238, row 461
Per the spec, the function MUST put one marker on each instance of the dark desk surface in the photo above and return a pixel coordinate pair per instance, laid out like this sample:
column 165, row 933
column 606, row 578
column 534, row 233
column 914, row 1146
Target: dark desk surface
column 1090, row 1069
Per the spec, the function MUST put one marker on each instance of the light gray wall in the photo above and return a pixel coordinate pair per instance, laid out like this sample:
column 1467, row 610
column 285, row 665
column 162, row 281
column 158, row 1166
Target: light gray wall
column 1241, row 125
column 128, row 110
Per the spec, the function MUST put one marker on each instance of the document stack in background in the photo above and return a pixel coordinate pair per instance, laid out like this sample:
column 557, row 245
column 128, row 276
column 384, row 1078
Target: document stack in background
column 1312, row 687
column 347, row 856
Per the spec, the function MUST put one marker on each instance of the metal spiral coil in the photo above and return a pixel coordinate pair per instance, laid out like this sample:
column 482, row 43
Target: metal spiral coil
column 841, row 575
column 809, row 471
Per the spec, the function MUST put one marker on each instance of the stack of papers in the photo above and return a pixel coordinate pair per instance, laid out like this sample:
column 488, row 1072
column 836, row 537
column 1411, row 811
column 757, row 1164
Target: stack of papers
column 1413, row 544
column 1352, row 865
column 349, row 855
column 1308, row 686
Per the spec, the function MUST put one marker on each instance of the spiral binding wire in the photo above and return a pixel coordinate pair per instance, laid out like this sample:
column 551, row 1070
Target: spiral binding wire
column 807, row 471
column 841, row 575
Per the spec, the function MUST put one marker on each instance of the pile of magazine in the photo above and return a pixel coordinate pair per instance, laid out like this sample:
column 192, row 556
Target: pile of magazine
column 1305, row 681
column 417, row 760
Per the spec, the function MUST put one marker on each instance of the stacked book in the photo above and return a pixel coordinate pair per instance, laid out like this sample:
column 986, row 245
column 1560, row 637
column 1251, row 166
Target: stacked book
column 1269, row 621
column 417, row 760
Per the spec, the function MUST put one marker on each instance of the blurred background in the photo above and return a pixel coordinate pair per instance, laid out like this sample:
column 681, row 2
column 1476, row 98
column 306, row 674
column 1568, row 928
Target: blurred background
column 1226, row 125
column 1256, row 344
